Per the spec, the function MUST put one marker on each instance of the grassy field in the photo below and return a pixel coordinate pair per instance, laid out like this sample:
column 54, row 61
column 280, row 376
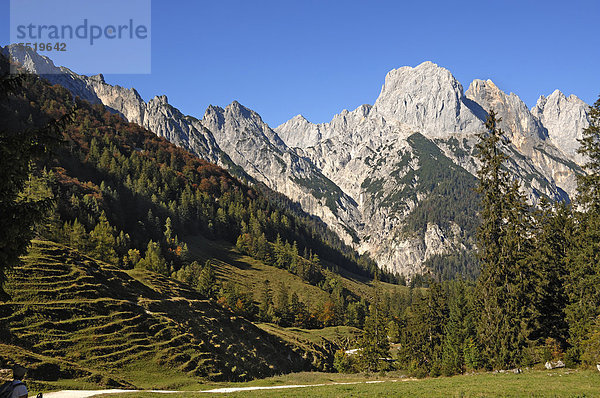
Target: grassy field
column 80, row 323
column 315, row 336
column 75, row 321
column 250, row 273
column 534, row 383
column 245, row 271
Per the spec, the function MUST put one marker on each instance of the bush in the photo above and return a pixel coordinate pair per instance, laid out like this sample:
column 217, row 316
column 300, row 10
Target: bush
column 343, row 362
column 591, row 346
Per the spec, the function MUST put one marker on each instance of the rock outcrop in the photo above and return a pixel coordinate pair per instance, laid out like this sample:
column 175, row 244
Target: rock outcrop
column 254, row 146
column 426, row 98
column 564, row 118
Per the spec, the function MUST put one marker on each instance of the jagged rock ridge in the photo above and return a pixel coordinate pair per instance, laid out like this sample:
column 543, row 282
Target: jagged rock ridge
column 156, row 115
column 369, row 151
column 564, row 118
column 252, row 144
column 378, row 175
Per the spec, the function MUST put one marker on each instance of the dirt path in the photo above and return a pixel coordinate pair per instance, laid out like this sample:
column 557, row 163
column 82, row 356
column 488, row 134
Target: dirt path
column 225, row 390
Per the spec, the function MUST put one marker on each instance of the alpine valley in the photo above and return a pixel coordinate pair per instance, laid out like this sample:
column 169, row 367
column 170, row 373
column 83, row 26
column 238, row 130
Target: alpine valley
column 394, row 179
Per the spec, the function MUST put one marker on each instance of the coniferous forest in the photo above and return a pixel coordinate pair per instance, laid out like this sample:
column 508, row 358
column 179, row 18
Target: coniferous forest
column 79, row 175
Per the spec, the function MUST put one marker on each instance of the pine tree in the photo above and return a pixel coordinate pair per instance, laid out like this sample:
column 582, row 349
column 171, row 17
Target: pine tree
column 168, row 231
column 265, row 309
column 184, row 253
column 298, row 311
column 282, row 301
column 280, row 253
column 132, row 258
column 78, row 238
column 356, row 313
column 263, row 250
column 154, row 261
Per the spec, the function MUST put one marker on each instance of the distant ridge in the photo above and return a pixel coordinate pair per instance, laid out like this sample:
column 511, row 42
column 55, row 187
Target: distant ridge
column 355, row 172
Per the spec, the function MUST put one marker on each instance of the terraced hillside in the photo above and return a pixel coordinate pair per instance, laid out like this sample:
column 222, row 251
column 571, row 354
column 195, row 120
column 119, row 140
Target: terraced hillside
column 72, row 317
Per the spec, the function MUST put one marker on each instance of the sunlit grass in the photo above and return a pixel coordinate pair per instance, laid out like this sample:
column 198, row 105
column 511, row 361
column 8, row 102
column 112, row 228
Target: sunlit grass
column 535, row 383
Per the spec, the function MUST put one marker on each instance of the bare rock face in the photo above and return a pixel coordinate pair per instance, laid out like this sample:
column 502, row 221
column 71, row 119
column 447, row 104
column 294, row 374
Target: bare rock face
column 564, row 118
column 299, row 132
column 517, row 122
column 427, row 98
column 527, row 134
column 254, row 146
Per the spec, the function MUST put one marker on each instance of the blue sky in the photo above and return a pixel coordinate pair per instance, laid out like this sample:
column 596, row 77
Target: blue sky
column 282, row 58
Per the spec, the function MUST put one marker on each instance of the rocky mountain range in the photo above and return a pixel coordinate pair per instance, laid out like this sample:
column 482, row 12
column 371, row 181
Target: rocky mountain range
column 394, row 179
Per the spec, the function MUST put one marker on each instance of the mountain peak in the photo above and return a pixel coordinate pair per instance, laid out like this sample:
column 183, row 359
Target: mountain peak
column 427, row 98
column 240, row 111
column 299, row 118
column 161, row 99
column 488, row 88
column 99, row 78
column 564, row 118
column 424, row 70
column 31, row 60
column 214, row 108
column 521, row 127
column 557, row 93
column 427, row 65
column 236, row 107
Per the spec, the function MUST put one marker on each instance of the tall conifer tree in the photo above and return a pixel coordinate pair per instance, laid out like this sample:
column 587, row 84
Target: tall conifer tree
column 584, row 261
column 504, row 287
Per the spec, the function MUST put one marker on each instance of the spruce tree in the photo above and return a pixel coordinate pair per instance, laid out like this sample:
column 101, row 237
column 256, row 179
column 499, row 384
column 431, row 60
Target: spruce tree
column 493, row 183
column 457, row 330
column 583, row 284
column 504, row 284
column 374, row 344
column 552, row 241
column 103, row 240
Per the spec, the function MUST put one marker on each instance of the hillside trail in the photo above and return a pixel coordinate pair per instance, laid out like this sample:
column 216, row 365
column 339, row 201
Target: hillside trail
column 225, row 390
